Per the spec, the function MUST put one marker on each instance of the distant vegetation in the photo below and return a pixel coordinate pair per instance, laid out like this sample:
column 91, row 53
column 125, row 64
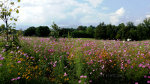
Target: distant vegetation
column 101, row 31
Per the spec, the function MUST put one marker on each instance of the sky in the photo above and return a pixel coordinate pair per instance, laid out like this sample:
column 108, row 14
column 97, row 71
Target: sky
column 72, row 13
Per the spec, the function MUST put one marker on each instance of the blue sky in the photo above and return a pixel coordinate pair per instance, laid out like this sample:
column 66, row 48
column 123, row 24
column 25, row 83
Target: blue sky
column 72, row 13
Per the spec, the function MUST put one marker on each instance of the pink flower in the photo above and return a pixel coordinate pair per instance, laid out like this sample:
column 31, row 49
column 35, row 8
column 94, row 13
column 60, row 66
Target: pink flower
column 89, row 53
column 1, row 64
column 148, row 76
column 54, row 65
column 81, row 76
column 148, row 81
column 19, row 62
column 18, row 77
column 136, row 83
column 145, row 76
column 18, row 47
column 65, row 74
column 11, row 52
column 140, row 65
column 79, row 81
column 1, row 58
column 90, row 81
column 4, row 50
column 85, row 76
column 143, row 66
column 110, row 60
column 13, row 79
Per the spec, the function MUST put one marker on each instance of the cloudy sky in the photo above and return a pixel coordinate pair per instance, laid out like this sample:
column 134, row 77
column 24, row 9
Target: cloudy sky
column 71, row 13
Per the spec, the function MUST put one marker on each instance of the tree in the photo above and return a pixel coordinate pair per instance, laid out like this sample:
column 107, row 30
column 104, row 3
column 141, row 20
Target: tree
column 90, row 31
column 81, row 28
column 7, row 7
column 110, row 32
column 31, row 31
column 142, row 32
column 121, row 32
column 131, row 31
column 43, row 31
column 100, row 32
column 56, row 30
column 2, row 27
column 65, row 31
column 146, row 24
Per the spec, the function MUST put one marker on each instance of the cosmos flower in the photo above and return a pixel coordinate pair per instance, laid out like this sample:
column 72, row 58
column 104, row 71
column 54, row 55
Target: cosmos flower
column 19, row 62
column 1, row 58
column 79, row 81
column 65, row 74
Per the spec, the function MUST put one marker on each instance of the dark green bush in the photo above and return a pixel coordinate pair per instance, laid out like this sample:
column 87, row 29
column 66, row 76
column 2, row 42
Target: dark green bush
column 43, row 31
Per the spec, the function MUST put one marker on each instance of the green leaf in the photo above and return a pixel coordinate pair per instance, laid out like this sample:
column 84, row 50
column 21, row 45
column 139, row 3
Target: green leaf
column 12, row 3
column 1, row 5
column 15, row 19
column 9, row 13
column 11, row 19
column 10, row 10
column 17, row 11
column 19, row 0
column 18, row 7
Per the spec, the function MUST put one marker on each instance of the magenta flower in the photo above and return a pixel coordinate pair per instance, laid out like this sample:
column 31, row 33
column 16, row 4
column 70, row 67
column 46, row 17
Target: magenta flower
column 89, row 53
column 145, row 76
column 81, row 76
column 19, row 62
column 148, row 81
column 140, row 65
column 143, row 66
column 13, row 79
column 65, row 74
column 54, row 65
column 136, row 83
column 18, row 78
column 1, row 58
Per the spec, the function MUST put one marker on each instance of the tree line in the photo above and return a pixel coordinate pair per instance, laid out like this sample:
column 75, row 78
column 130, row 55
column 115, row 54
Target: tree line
column 102, row 31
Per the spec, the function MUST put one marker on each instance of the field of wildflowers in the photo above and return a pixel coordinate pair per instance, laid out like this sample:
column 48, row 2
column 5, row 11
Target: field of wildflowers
column 75, row 61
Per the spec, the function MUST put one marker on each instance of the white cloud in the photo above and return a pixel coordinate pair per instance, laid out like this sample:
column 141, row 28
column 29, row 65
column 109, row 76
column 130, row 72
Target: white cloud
column 120, row 11
column 114, row 18
column 89, row 19
column 44, row 12
column 65, row 12
column 148, row 16
column 105, row 8
column 95, row 3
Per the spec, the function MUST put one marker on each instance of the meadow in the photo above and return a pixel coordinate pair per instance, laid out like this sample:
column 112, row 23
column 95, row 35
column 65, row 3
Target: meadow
column 75, row 61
